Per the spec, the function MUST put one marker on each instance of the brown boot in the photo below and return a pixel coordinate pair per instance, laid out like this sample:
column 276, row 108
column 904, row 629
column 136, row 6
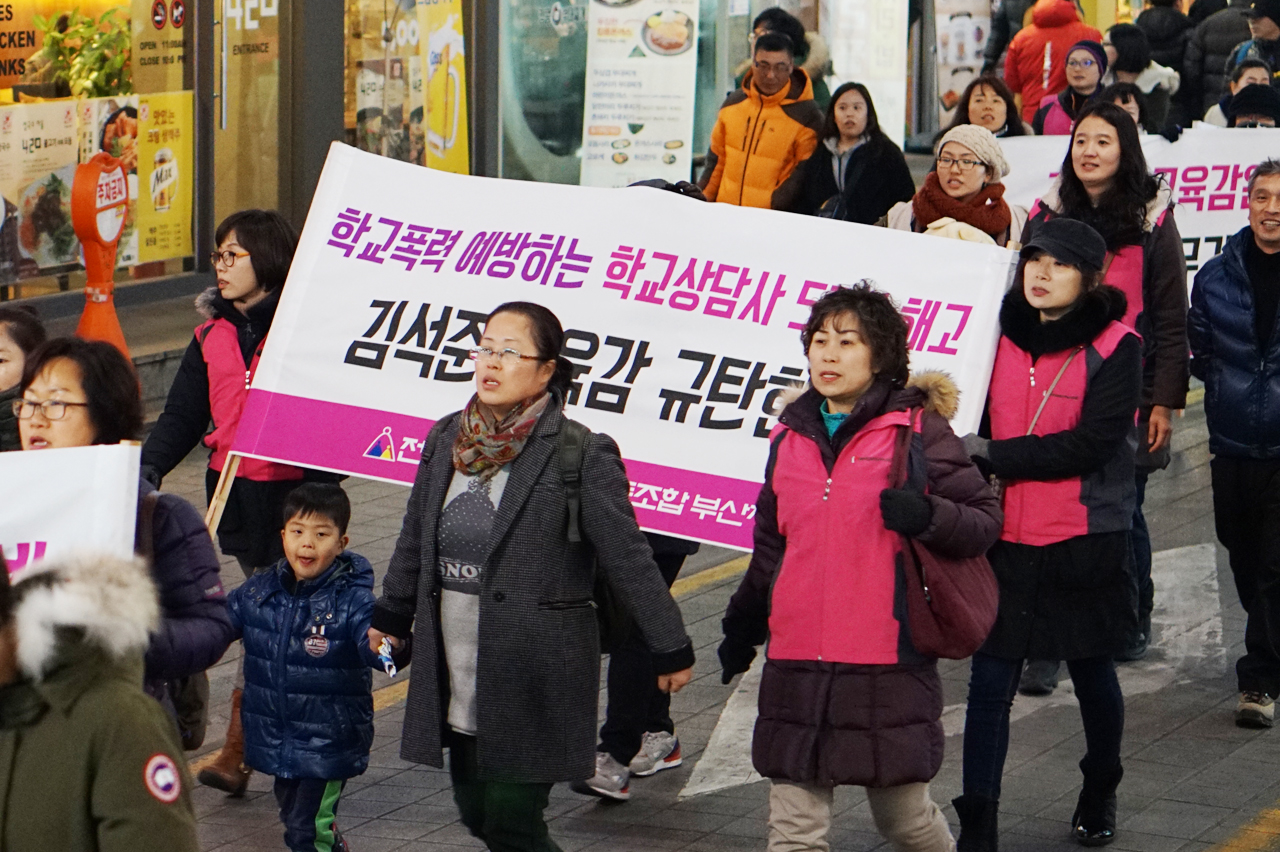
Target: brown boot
column 228, row 773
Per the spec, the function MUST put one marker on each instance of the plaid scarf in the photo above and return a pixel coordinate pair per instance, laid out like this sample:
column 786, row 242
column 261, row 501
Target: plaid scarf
column 484, row 443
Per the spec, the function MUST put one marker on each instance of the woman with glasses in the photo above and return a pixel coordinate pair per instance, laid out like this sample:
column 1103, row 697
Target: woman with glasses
column 1086, row 64
column 987, row 102
column 856, row 173
column 963, row 198
column 496, row 588
column 79, row 393
column 254, row 250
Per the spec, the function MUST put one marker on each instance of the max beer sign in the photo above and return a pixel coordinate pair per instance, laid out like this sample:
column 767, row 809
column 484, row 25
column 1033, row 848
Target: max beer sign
column 99, row 204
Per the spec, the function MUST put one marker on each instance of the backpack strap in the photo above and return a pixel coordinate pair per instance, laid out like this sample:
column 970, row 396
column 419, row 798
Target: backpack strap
column 573, row 444
column 144, row 537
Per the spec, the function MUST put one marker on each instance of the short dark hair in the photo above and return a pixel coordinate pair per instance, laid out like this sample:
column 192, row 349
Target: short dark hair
column 1246, row 64
column 323, row 499
column 548, row 336
column 269, row 239
column 830, row 130
column 1013, row 117
column 1133, row 49
column 778, row 20
column 109, row 381
column 1267, row 168
column 22, row 323
column 1165, row 4
column 775, row 42
column 882, row 327
column 1125, row 92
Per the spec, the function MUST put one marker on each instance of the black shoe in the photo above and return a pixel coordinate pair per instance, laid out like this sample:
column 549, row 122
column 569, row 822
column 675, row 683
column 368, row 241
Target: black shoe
column 978, row 829
column 1094, row 822
column 1139, row 640
column 1040, row 677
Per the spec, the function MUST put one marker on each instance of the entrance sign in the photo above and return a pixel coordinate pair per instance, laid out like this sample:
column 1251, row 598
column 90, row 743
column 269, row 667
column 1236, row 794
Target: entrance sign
column 683, row 322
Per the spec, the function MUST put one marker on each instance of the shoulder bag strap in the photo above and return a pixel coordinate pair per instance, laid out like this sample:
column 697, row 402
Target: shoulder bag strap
column 573, row 442
column 1054, row 384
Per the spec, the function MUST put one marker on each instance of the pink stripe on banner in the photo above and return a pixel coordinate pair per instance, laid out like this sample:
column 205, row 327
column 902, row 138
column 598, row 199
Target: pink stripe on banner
column 380, row 445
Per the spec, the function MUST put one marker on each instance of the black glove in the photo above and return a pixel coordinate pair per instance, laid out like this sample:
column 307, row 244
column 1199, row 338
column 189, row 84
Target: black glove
column 150, row 474
column 976, row 447
column 1171, row 132
column 735, row 657
column 905, row 511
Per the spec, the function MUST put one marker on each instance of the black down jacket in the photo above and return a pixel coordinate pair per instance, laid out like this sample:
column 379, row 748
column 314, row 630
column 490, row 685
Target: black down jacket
column 1204, row 77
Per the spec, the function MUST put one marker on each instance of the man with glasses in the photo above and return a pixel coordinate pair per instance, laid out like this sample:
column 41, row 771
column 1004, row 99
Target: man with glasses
column 764, row 131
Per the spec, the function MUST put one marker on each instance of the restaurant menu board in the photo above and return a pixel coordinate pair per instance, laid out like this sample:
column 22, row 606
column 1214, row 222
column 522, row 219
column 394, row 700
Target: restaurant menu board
column 962, row 28
column 37, row 166
column 165, row 166
column 111, row 125
column 642, row 65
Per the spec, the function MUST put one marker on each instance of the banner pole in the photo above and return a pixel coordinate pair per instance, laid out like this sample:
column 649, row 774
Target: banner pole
column 218, row 502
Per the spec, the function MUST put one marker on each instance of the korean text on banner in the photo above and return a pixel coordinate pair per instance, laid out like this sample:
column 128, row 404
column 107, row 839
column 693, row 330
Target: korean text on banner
column 76, row 500
column 642, row 66
column 1207, row 171
column 683, row 329
column 165, row 167
column 444, row 58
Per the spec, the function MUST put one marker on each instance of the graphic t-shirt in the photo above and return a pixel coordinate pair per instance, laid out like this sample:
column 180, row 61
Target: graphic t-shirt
column 470, row 507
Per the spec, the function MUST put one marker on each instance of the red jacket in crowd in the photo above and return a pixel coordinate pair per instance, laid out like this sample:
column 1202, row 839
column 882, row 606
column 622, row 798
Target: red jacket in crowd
column 1036, row 64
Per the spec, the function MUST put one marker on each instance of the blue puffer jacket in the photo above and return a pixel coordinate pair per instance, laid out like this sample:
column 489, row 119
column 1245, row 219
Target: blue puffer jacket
column 1241, row 376
column 308, row 704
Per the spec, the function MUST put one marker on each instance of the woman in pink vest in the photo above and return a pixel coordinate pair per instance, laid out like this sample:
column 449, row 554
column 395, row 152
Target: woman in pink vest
column 1086, row 63
column 845, row 697
column 1059, row 433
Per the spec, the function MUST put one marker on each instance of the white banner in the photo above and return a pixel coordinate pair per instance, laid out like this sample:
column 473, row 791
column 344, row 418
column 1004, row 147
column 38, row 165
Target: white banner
column 1208, row 170
column 61, row 502
column 642, row 67
column 682, row 320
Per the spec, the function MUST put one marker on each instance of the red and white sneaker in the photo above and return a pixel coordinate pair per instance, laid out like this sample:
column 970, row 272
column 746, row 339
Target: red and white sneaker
column 658, row 751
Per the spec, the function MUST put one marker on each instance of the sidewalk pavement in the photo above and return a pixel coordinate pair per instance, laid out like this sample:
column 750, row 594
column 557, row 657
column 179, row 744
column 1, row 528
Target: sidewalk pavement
column 1193, row 781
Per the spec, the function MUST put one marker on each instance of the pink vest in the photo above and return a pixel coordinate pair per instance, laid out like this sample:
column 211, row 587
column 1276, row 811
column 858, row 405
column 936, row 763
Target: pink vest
column 1044, row 512
column 1056, row 120
column 228, row 388
column 834, row 592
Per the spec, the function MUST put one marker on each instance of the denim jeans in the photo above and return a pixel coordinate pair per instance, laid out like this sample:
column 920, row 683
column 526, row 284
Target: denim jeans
column 993, row 682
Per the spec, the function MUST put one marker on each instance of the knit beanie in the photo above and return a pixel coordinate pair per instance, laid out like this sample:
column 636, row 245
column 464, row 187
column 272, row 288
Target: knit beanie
column 982, row 142
column 1098, row 51
column 1263, row 100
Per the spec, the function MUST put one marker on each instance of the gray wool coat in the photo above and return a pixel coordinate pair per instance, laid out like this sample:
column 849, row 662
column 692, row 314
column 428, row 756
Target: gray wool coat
column 537, row 679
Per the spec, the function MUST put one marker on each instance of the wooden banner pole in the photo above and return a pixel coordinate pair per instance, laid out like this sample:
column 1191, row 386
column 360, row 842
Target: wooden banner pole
column 218, row 502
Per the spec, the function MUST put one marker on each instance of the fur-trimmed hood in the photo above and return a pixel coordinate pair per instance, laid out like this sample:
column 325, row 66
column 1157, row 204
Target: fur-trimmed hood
column 933, row 390
column 817, row 64
column 113, row 601
column 211, row 305
column 1020, row 322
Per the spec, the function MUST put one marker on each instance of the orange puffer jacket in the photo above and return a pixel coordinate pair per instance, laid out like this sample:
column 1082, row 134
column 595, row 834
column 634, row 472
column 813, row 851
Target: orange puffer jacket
column 758, row 142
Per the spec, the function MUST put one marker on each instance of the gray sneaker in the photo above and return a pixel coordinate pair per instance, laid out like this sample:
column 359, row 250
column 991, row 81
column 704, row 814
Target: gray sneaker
column 658, row 751
column 611, row 781
column 1255, row 710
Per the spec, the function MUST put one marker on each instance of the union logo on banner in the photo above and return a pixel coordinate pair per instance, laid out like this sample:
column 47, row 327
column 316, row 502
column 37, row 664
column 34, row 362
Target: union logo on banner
column 383, row 447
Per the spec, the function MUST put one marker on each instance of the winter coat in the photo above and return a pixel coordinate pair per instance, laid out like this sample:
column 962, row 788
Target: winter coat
column 9, row 438
column 903, row 218
column 1062, row 559
column 89, row 763
column 1005, row 24
column 876, row 177
column 1241, row 374
column 195, row 629
column 759, row 141
column 845, row 697
column 1153, row 278
column 308, row 700
column 1204, row 78
column 538, row 665
column 1055, row 26
column 1158, row 85
column 210, row 389
column 1168, row 32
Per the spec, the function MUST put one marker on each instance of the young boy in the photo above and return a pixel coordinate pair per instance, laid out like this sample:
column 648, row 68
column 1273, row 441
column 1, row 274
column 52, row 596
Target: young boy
column 308, row 705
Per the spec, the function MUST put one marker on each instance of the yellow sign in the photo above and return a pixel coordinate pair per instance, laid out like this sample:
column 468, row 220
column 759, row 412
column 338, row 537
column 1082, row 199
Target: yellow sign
column 444, row 61
column 165, row 165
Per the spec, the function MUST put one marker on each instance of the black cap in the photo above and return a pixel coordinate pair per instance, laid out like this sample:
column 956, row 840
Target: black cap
column 1264, row 9
column 1254, row 100
column 1070, row 242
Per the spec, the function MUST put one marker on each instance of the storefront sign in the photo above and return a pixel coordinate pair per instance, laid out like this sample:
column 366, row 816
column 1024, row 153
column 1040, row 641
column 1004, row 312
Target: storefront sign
column 683, row 323
column 961, row 29
column 868, row 41
column 642, row 68
column 74, row 500
column 38, row 155
column 166, row 166
column 159, row 44
column 444, row 57
column 1208, row 170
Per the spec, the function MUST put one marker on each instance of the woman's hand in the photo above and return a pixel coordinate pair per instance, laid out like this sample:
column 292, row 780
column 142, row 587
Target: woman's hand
column 674, row 682
column 1159, row 428
column 376, row 637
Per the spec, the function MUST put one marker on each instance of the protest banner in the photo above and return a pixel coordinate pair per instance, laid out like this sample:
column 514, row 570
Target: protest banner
column 74, row 500
column 682, row 320
column 1207, row 169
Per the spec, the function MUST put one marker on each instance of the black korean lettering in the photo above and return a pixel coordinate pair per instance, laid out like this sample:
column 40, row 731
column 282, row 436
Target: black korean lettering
column 460, row 357
column 385, row 309
column 788, row 379
column 578, row 346
column 755, row 382
column 474, row 327
column 708, row 420
column 596, row 397
column 724, row 377
column 357, row 354
column 394, row 325
column 704, row 358
column 672, row 398
column 423, row 358
column 440, row 327
column 418, row 330
column 641, row 360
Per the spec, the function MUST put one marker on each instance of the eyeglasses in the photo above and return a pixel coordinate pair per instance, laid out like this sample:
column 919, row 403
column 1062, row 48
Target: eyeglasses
column 508, row 357
column 965, row 164
column 227, row 257
column 782, row 69
column 1266, row 122
column 51, row 409
column 1081, row 63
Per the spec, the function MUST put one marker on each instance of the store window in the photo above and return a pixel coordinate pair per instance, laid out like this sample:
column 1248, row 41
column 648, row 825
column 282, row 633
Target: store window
column 384, row 94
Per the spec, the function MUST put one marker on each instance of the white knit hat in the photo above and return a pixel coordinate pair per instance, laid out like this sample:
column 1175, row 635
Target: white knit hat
column 982, row 142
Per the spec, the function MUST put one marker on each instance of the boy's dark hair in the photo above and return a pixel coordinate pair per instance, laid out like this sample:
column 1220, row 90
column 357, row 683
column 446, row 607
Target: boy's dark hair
column 1124, row 93
column 548, row 336
column 879, row 322
column 1133, row 50
column 23, row 324
column 1245, row 65
column 778, row 20
column 772, row 42
column 269, row 239
column 319, row 498
column 109, row 381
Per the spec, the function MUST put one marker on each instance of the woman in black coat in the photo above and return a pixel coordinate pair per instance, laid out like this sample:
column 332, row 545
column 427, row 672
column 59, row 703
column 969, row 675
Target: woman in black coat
column 856, row 173
column 499, row 599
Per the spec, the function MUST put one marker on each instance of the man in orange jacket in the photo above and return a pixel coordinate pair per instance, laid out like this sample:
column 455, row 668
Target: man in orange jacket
column 1036, row 64
column 764, row 131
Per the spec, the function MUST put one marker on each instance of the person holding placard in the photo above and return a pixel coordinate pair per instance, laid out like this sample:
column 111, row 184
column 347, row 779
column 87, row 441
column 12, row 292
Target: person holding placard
column 20, row 332
column 514, row 513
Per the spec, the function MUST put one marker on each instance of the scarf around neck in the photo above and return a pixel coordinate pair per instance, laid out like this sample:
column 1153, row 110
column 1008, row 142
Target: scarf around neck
column 484, row 443
column 987, row 211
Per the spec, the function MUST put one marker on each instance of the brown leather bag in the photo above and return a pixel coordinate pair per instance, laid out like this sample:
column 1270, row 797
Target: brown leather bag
column 951, row 601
